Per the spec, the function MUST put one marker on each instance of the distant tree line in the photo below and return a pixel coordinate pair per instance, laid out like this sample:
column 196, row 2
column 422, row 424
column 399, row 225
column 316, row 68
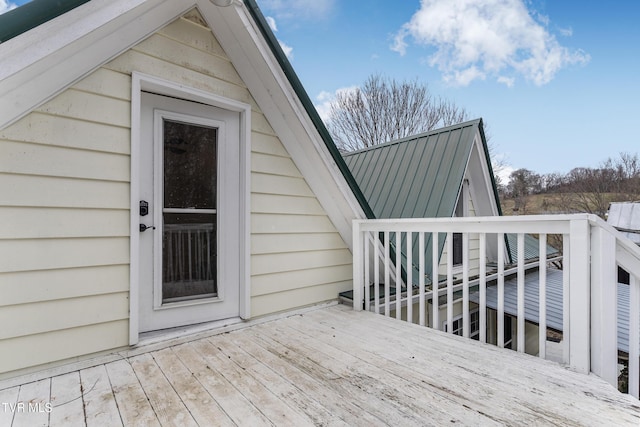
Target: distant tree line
column 582, row 189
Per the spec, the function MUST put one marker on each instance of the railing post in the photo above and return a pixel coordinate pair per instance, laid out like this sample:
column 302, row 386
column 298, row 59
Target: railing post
column 579, row 296
column 634, row 332
column 604, row 315
column 358, row 267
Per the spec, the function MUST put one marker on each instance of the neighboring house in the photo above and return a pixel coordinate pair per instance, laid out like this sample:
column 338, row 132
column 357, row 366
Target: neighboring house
column 160, row 166
column 438, row 174
column 625, row 217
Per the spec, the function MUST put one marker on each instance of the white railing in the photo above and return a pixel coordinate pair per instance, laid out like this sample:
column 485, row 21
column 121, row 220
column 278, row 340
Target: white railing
column 591, row 252
column 189, row 253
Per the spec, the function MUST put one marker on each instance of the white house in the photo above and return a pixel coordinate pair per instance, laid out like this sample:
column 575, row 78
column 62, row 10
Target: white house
column 163, row 172
column 160, row 166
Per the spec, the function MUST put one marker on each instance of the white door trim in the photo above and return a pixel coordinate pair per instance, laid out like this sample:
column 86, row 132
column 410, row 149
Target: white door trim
column 140, row 82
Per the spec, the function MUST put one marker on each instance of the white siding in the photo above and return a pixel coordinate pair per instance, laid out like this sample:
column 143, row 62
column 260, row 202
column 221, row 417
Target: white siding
column 474, row 248
column 64, row 223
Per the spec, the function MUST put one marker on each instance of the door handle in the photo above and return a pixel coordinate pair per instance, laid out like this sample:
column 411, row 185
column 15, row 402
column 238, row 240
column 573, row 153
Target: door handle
column 144, row 227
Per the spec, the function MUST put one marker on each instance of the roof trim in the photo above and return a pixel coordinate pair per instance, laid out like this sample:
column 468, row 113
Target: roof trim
column 284, row 63
column 30, row 15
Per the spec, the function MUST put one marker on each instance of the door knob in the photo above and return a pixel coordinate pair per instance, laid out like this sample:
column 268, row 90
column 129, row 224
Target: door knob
column 144, row 227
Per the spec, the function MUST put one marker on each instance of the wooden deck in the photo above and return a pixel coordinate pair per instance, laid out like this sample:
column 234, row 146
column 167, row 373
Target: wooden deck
column 330, row 366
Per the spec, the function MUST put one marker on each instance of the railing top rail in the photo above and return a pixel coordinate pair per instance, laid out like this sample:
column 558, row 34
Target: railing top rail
column 550, row 224
column 629, row 252
column 485, row 219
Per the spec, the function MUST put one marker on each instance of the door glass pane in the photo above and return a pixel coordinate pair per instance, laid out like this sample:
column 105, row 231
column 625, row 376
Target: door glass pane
column 189, row 166
column 189, row 268
column 189, row 246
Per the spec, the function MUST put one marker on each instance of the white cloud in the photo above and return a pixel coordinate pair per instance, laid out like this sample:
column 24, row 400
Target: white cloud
column 507, row 81
column 6, row 6
column 298, row 9
column 476, row 39
column 504, row 174
column 288, row 50
column 272, row 23
column 567, row 32
column 324, row 98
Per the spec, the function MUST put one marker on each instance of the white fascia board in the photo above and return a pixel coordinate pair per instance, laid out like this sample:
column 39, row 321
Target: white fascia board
column 41, row 63
column 485, row 183
column 259, row 69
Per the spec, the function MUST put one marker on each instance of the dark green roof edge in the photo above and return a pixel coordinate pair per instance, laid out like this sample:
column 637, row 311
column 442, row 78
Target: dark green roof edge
column 30, row 15
column 277, row 51
column 416, row 136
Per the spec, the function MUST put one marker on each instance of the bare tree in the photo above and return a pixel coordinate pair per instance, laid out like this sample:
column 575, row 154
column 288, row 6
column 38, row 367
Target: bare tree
column 522, row 183
column 384, row 110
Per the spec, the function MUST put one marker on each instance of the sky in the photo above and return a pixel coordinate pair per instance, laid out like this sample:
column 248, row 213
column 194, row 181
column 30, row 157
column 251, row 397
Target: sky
column 557, row 82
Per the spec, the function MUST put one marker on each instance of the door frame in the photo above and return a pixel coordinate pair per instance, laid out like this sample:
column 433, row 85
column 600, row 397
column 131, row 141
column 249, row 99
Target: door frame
column 143, row 82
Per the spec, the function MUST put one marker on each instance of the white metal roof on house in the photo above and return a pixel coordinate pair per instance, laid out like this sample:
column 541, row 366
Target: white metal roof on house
column 625, row 217
column 554, row 302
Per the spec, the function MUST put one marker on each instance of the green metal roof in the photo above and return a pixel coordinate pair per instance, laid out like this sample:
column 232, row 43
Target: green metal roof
column 32, row 14
column 416, row 177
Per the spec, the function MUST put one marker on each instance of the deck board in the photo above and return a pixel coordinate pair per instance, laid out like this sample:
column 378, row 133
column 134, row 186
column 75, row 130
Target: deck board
column 34, row 396
column 203, row 408
column 235, row 405
column 132, row 401
column 166, row 403
column 66, row 400
column 330, row 366
column 100, row 407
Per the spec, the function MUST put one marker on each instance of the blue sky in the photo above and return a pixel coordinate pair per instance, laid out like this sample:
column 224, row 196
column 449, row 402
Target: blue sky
column 557, row 82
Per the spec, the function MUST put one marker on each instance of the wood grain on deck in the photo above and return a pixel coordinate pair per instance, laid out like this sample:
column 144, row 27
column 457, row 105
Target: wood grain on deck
column 332, row 367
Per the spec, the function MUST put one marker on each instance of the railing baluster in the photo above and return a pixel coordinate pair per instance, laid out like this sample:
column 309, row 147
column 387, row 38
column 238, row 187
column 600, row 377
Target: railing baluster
column 409, row 278
column 520, row 280
column 500, row 323
column 367, row 288
column 357, row 267
column 634, row 336
column 591, row 251
column 387, row 276
column 421, row 272
column 450, row 282
column 465, row 285
column 542, row 297
column 566, row 273
column 398, row 267
column 483, row 287
column 435, row 291
column 376, row 272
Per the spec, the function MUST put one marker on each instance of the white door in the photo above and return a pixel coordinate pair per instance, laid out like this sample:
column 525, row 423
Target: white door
column 189, row 210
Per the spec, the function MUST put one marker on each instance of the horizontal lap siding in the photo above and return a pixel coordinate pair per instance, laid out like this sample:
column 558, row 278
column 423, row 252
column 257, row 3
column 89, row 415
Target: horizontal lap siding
column 298, row 257
column 64, row 225
column 64, row 235
column 474, row 249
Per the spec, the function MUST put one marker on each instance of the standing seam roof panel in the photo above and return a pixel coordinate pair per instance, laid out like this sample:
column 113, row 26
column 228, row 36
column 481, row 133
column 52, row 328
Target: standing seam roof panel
column 415, row 177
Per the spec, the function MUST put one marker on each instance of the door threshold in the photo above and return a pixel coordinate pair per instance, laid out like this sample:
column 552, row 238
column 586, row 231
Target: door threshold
column 163, row 335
